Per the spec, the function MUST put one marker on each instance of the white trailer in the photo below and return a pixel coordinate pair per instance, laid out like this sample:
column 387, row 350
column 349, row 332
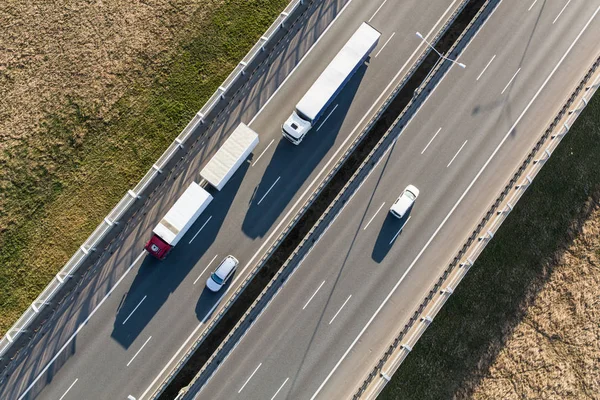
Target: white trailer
column 330, row 83
column 178, row 220
column 230, row 156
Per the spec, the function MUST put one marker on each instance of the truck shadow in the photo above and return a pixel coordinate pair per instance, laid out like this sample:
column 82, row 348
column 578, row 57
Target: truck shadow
column 157, row 280
column 389, row 233
column 292, row 165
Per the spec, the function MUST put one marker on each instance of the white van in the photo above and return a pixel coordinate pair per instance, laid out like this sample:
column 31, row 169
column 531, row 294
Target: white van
column 405, row 201
column 222, row 274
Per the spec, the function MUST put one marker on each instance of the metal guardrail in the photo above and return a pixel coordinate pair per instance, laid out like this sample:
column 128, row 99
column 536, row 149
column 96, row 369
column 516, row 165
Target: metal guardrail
column 281, row 276
column 447, row 284
column 97, row 239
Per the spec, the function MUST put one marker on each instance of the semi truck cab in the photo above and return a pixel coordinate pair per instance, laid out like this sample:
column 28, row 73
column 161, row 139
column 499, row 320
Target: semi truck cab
column 295, row 128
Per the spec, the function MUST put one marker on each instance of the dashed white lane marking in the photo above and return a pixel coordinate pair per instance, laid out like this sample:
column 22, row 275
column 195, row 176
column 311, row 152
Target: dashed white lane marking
column 386, row 42
column 138, row 352
column 136, row 307
column 400, row 230
column 561, row 11
column 265, row 195
column 532, row 4
column 311, row 297
column 459, row 150
column 373, row 217
column 509, row 82
column 438, row 131
column 376, row 11
column 70, row 387
column 326, row 118
column 204, row 270
column 486, row 67
column 264, row 151
column 248, row 380
column 336, row 314
column 280, row 387
column 202, row 227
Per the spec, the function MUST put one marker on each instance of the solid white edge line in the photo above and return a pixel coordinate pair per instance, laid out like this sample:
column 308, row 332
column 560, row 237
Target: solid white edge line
column 138, row 352
column 561, row 11
column 248, row 380
column 376, row 11
column 70, row 387
column 205, row 268
column 374, row 215
column 456, row 155
column 400, row 230
column 336, row 314
column 85, row 321
column 284, row 219
column 136, row 307
column 265, row 195
column 264, row 151
column 202, row 227
column 314, row 294
column 328, row 115
column 386, row 42
column 301, row 60
column 280, row 387
column 434, row 136
column 485, row 68
column 453, row 208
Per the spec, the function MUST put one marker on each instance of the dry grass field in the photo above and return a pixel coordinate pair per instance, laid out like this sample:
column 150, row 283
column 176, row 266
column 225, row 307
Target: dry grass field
column 91, row 93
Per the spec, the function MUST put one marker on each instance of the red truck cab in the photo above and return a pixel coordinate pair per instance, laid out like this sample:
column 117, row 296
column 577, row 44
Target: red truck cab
column 158, row 247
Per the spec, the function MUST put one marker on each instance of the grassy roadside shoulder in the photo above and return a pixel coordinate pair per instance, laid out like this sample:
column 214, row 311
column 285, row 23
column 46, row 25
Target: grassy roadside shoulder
column 96, row 172
column 456, row 352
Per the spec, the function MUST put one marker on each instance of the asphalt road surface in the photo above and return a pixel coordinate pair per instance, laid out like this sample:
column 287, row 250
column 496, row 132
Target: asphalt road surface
column 132, row 319
column 356, row 289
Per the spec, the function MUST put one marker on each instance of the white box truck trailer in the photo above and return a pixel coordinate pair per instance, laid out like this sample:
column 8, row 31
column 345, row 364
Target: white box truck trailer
column 230, row 156
column 178, row 220
column 330, row 83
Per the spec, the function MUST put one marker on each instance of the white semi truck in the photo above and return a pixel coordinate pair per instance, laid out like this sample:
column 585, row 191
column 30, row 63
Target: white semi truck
column 330, row 83
column 195, row 199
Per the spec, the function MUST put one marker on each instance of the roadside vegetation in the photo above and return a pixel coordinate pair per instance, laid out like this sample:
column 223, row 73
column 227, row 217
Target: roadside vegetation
column 90, row 96
column 523, row 324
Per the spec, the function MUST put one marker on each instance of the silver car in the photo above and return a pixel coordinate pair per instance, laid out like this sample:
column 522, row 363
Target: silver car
column 222, row 274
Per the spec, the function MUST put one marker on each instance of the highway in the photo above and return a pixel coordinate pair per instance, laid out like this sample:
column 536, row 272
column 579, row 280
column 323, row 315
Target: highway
column 366, row 275
column 132, row 317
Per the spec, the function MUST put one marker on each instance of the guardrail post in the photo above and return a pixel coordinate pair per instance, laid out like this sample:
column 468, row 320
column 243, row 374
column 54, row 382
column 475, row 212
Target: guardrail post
column 201, row 116
column 543, row 159
column 506, row 210
column 222, row 95
column 566, row 126
column 284, row 15
column 156, row 168
column 468, row 263
column 133, row 194
column 427, row 319
column 489, row 234
column 579, row 109
column 179, row 143
column 266, row 39
column 243, row 64
column 525, row 185
column 448, row 290
column 406, row 346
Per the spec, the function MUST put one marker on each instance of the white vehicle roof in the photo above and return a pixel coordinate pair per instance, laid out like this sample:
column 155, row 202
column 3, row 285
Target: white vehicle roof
column 228, row 158
column 359, row 45
column 405, row 201
column 183, row 214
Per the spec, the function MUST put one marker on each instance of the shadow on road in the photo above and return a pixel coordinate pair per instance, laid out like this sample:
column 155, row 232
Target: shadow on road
column 390, row 232
column 291, row 165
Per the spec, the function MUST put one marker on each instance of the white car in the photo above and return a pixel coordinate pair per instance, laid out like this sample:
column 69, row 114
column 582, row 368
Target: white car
column 222, row 274
column 405, row 201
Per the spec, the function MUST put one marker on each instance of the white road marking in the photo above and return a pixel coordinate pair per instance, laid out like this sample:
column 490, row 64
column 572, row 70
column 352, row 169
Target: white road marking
column 509, row 82
column 400, row 230
column 532, row 4
column 300, row 199
column 336, row 314
column 202, row 227
column 265, row 195
column 486, row 67
column 204, row 270
column 386, row 42
column 264, row 151
column 373, row 217
column 130, row 397
column 326, row 118
column 280, row 387
column 248, row 380
column 561, row 11
column 438, row 131
column 65, row 393
column 136, row 307
column 391, row 293
column 461, row 147
column 301, row 60
column 376, row 11
column 138, row 352
column 85, row 321
column 311, row 297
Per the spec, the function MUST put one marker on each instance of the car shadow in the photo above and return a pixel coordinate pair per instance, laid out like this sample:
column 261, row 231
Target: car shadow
column 389, row 233
column 208, row 300
column 291, row 165
column 156, row 280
